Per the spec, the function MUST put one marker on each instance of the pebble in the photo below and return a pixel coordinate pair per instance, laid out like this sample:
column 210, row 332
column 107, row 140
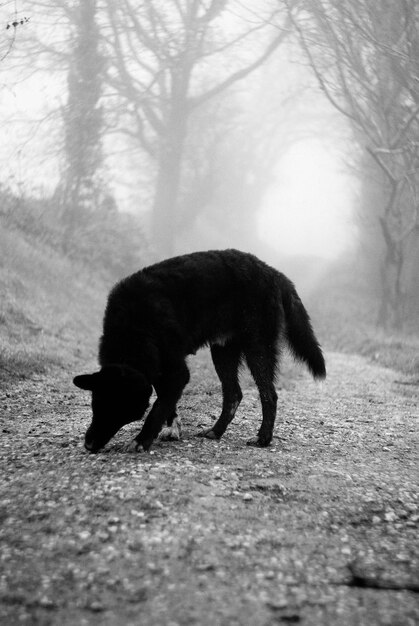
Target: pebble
column 84, row 534
column 277, row 603
column 95, row 606
column 46, row 603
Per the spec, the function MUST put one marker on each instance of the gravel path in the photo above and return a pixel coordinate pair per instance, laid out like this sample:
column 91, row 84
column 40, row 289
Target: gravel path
column 319, row 529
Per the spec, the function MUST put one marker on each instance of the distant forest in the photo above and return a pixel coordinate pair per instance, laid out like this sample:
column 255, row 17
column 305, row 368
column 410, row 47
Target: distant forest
column 182, row 101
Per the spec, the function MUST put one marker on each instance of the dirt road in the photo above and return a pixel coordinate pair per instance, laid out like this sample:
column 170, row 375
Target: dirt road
column 320, row 529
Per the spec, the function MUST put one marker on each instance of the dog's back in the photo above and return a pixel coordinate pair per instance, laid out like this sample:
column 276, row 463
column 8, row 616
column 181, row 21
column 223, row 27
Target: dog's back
column 198, row 298
column 207, row 297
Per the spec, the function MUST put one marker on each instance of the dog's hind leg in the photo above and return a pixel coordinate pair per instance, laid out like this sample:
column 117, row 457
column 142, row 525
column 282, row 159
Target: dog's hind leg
column 226, row 360
column 262, row 365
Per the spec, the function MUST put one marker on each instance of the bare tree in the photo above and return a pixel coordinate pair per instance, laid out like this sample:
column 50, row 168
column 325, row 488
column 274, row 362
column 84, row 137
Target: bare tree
column 80, row 190
column 64, row 42
column 11, row 22
column 168, row 59
column 365, row 58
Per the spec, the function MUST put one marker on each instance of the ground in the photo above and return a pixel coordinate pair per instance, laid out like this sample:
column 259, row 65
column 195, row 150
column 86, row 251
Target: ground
column 319, row 529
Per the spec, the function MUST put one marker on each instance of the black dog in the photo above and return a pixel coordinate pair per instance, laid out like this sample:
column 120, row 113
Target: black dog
column 233, row 302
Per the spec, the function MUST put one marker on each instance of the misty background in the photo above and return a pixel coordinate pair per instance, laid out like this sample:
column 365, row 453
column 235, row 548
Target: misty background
column 132, row 131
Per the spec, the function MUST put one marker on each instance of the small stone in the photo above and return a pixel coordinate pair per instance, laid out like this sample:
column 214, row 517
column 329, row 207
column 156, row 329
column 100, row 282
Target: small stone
column 95, row 606
column 84, row 534
column 270, row 484
column 277, row 603
column 46, row 602
column 152, row 567
column 247, row 497
column 205, row 567
column 390, row 516
column 136, row 546
column 103, row 536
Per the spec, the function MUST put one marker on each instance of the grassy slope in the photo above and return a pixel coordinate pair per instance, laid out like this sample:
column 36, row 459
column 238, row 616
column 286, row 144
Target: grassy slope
column 344, row 318
column 50, row 309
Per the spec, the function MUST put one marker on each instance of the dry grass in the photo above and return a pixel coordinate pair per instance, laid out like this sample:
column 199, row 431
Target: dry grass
column 50, row 309
column 344, row 316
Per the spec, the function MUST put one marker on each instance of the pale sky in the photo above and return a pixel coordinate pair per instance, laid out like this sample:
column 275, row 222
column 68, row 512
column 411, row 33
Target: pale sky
column 309, row 209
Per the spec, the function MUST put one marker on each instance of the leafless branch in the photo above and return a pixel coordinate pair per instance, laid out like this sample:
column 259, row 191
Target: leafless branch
column 239, row 74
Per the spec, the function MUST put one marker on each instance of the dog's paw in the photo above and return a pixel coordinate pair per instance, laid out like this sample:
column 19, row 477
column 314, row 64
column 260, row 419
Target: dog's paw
column 130, row 446
column 208, row 433
column 134, row 446
column 257, row 442
column 171, row 433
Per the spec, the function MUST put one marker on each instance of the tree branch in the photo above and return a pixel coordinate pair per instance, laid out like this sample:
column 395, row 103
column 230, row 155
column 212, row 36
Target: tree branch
column 238, row 75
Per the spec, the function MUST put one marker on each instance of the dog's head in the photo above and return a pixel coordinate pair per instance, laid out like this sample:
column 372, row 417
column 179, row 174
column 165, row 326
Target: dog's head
column 120, row 395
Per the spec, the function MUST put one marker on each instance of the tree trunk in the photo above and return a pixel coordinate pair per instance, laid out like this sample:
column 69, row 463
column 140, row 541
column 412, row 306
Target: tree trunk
column 79, row 191
column 391, row 311
column 169, row 171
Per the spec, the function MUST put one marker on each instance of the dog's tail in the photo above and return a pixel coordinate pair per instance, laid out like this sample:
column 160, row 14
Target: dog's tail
column 299, row 332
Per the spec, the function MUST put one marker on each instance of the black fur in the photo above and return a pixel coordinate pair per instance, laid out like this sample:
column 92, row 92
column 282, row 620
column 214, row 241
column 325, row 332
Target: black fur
column 230, row 300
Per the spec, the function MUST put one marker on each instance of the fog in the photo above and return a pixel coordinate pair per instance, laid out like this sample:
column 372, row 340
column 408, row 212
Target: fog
column 221, row 124
column 317, row 196
column 149, row 481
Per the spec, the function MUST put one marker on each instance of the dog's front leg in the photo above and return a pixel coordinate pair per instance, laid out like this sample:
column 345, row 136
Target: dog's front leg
column 160, row 412
column 173, row 430
column 169, row 389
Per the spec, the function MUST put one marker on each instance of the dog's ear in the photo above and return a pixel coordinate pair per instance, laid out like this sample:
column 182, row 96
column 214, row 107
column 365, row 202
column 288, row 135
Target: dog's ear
column 110, row 374
column 87, row 381
column 102, row 378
